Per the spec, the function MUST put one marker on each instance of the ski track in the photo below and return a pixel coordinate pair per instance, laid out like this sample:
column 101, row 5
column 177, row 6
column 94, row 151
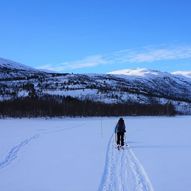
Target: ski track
column 13, row 153
column 123, row 171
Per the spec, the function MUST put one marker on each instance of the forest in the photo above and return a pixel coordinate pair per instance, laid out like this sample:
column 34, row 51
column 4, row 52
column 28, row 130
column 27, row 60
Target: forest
column 54, row 106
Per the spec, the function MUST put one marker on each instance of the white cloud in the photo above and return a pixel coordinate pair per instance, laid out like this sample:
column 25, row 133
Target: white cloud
column 168, row 53
column 141, row 55
column 90, row 61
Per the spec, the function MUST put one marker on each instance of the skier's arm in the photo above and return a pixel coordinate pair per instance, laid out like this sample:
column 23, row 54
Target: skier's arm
column 116, row 128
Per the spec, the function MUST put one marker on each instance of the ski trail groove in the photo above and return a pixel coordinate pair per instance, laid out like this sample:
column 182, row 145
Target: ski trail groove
column 123, row 171
column 143, row 182
column 13, row 153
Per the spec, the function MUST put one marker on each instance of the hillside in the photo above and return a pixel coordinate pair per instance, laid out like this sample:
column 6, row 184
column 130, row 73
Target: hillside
column 139, row 86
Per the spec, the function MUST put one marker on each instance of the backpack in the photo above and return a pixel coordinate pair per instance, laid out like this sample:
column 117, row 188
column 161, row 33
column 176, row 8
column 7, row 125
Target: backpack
column 120, row 127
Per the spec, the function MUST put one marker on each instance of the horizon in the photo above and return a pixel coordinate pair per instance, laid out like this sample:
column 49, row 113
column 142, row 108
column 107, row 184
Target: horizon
column 127, row 71
column 97, row 36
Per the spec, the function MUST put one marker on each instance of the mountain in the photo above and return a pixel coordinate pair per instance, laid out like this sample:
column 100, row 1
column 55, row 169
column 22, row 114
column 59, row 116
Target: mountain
column 5, row 63
column 140, row 72
column 141, row 86
column 10, row 69
column 183, row 73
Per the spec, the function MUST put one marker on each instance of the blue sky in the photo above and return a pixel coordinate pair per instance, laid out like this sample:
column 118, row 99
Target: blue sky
column 97, row 35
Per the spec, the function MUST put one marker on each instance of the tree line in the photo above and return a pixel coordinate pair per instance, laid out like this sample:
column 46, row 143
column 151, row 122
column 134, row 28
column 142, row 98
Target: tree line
column 52, row 106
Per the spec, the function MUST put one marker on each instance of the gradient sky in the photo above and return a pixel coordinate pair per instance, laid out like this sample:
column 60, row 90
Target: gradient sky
column 97, row 35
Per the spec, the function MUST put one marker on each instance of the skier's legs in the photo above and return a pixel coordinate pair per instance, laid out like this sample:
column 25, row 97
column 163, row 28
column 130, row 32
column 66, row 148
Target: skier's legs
column 122, row 139
column 118, row 138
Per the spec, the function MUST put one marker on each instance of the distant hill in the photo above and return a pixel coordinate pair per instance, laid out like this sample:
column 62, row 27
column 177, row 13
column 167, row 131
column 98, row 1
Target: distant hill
column 140, row 86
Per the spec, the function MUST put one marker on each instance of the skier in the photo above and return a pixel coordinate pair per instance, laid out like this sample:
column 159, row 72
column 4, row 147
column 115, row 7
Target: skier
column 119, row 132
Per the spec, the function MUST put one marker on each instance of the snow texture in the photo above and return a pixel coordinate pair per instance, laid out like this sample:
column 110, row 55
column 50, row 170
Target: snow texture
column 79, row 154
column 123, row 171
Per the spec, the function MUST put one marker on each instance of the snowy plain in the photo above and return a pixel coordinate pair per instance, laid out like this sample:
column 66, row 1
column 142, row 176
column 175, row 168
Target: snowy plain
column 79, row 154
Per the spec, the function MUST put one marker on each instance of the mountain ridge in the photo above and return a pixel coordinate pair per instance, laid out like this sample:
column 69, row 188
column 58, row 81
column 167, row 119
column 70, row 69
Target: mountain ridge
column 6, row 63
column 137, row 86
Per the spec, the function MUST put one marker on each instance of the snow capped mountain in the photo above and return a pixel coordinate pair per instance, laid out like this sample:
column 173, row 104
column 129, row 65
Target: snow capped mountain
column 183, row 73
column 123, row 86
column 5, row 63
column 11, row 69
column 136, row 72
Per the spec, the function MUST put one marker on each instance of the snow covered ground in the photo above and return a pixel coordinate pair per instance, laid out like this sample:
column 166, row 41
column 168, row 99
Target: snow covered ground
column 78, row 154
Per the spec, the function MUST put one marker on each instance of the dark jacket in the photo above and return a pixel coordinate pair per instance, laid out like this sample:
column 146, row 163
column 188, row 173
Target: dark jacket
column 120, row 128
